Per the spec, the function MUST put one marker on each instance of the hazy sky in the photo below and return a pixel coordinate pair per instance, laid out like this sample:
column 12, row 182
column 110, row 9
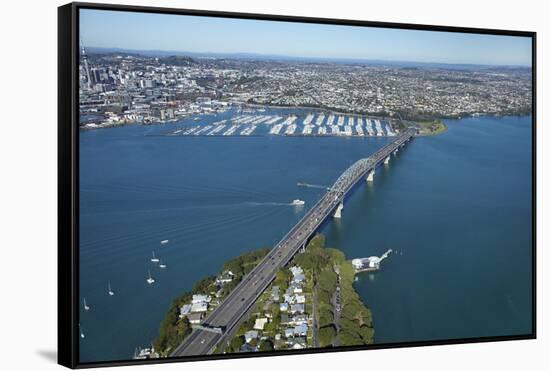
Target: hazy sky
column 146, row 31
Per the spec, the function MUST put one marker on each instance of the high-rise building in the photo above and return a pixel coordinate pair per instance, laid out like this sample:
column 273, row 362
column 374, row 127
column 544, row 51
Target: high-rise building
column 95, row 75
column 86, row 67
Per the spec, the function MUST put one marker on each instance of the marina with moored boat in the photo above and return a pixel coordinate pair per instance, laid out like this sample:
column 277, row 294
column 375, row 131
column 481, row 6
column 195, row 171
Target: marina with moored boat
column 302, row 124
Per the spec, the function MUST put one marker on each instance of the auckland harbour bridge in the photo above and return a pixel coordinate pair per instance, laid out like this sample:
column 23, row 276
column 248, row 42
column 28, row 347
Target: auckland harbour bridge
column 221, row 323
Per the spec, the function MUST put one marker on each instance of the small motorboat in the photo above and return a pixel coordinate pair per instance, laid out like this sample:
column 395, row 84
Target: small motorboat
column 154, row 259
column 150, row 280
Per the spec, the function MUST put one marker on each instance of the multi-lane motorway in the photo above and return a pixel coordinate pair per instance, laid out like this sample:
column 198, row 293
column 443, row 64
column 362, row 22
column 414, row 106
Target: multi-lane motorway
column 226, row 316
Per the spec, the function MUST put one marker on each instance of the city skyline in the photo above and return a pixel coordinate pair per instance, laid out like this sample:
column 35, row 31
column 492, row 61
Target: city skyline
column 170, row 33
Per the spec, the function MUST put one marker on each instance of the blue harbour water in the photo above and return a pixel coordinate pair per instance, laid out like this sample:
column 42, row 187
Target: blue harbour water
column 456, row 208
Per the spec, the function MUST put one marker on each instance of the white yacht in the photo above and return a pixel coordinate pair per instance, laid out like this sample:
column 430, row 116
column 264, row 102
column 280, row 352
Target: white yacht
column 164, row 242
column 86, row 307
column 109, row 290
column 162, row 265
column 297, row 202
column 154, row 259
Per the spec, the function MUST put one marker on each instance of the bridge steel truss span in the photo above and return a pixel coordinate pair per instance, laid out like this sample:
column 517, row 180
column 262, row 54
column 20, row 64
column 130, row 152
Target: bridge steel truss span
column 362, row 167
column 227, row 316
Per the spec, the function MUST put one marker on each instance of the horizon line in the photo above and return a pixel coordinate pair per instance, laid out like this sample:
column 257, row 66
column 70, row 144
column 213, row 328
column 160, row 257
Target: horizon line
column 282, row 56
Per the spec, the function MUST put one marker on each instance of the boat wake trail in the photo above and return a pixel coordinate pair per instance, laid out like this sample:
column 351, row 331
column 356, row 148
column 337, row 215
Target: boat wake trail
column 307, row 185
column 268, row 204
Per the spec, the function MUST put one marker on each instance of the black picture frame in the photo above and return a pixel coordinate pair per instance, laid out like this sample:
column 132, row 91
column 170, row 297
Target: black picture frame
column 68, row 178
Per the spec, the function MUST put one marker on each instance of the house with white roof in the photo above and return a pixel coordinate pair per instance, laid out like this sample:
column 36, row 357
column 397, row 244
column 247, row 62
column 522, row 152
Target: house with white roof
column 260, row 323
column 275, row 293
column 289, row 298
column 199, row 307
column 296, row 270
column 185, row 309
column 225, row 277
column 300, row 330
column 298, row 278
column 295, row 288
column 297, row 308
column 298, row 319
column 199, row 298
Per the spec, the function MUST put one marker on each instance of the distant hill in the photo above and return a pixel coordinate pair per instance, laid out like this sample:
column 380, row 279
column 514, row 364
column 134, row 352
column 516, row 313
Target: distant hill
column 176, row 60
column 272, row 57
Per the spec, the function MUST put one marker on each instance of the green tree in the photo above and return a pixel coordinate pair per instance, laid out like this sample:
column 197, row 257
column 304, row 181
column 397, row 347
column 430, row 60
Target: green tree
column 183, row 327
column 266, row 345
column 203, row 286
column 327, row 281
column 316, row 242
column 367, row 334
column 347, row 338
column 235, row 344
column 326, row 335
column 326, row 317
column 336, row 257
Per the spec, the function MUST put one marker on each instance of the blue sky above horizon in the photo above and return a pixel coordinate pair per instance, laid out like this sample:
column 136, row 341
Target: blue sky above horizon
column 197, row 34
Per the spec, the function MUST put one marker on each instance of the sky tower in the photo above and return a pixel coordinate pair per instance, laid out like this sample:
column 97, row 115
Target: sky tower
column 85, row 60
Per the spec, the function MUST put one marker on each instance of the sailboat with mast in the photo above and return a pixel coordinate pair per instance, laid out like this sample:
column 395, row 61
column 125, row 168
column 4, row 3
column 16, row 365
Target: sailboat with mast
column 150, row 280
column 154, row 259
column 110, row 290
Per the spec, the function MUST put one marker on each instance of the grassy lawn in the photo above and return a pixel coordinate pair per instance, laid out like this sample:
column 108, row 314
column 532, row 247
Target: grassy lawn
column 432, row 127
